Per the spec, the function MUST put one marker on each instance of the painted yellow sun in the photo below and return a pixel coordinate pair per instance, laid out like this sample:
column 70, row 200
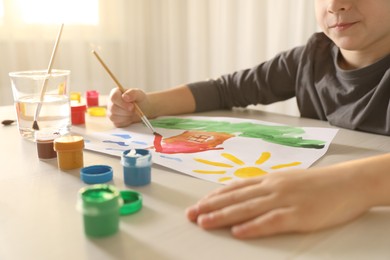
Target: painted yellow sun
column 241, row 172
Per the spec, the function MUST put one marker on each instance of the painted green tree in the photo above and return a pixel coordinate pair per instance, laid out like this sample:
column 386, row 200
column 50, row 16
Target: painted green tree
column 278, row 134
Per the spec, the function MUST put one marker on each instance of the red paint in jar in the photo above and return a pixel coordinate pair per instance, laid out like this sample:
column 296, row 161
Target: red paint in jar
column 78, row 114
column 92, row 97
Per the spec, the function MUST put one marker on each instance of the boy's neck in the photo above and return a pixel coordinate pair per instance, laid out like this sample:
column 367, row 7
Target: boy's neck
column 349, row 60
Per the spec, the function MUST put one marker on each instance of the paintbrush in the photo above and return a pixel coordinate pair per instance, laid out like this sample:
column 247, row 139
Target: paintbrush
column 35, row 125
column 119, row 85
column 8, row 122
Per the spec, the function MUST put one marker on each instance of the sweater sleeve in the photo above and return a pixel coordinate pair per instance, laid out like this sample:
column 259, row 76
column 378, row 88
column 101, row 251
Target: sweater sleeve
column 269, row 82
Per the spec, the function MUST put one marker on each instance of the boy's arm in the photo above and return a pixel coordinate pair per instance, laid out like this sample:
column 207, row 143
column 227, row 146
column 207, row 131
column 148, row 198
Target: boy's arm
column 121, row 111
column 373, row 174
column 174, row 101
column 297, row 201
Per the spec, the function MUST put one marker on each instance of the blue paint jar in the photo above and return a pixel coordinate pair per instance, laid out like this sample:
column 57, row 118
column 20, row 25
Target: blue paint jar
column 137, row 167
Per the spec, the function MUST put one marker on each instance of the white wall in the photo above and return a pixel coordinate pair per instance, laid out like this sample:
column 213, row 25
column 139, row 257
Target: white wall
column 156, row 44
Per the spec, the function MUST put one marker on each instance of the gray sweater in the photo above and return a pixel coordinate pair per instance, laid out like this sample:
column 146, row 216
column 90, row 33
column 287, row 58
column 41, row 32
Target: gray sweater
column 354, row 99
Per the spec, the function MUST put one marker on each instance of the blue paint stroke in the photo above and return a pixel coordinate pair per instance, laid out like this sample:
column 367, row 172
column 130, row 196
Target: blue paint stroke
column 123, row 136
column 171, row 158
column 139, row 142
column 114, row 142
column 115, row 149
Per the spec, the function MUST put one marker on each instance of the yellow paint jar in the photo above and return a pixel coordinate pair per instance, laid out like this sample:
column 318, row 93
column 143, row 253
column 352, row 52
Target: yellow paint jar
column 69, row 152
column 97, row 111
column 75, row 96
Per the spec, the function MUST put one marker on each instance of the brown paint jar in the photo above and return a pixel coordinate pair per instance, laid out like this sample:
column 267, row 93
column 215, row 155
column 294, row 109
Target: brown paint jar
column 69, row 152
column 45, row 146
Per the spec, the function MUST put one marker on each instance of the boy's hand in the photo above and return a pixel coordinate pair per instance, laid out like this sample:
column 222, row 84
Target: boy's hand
column 120, row 106
column 284, row 202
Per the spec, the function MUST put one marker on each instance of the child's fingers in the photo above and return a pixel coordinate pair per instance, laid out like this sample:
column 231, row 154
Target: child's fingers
column 224, row 199
column 234, row 186
column 237, row 213
column 277, row 221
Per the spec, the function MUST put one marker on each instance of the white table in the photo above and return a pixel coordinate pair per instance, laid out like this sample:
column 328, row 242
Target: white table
column 39, row 220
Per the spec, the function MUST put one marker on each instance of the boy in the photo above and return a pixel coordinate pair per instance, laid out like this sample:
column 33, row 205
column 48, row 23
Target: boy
column 341, row 75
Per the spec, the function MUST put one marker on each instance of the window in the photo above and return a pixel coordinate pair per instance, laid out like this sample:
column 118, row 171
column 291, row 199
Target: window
column 58, row 11
column 1, row 11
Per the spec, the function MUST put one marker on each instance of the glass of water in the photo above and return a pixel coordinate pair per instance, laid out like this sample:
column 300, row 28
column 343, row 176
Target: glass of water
column 54, row 114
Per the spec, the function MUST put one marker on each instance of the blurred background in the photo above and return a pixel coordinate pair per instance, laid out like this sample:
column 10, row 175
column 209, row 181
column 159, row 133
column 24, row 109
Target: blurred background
column 149, row 44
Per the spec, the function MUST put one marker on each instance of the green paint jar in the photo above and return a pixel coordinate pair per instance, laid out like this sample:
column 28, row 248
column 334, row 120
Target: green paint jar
column 100, row 206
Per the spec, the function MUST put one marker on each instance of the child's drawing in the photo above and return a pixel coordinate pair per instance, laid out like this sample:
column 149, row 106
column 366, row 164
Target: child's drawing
column 218, row 149
column 190, row 142
column 241, row 169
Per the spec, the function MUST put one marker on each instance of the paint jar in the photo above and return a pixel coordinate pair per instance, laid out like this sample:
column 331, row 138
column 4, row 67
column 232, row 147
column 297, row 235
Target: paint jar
column 78, row 114
column 45, row 144
column 92, row 97
column 137, row 167
column 75, row 97
column 69, row 152
column 97, row 111
column 100, row 205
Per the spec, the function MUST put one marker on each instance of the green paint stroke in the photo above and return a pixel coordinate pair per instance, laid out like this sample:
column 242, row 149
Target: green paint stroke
column 283, row 135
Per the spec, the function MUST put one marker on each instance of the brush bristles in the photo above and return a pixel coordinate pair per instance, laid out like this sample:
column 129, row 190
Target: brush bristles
column 35, row 125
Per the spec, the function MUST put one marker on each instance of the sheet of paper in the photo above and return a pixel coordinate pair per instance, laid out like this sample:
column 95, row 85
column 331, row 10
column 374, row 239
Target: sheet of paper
column 218, row 149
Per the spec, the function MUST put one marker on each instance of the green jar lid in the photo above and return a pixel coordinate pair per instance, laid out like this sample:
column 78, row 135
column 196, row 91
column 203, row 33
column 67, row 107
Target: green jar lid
column 132, row 202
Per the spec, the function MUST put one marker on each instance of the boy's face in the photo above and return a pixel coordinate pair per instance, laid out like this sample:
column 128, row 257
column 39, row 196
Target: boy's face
column 355, row 25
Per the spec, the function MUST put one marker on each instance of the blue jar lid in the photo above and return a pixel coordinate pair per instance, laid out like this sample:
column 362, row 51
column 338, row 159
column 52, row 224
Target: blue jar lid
column 96, row 174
